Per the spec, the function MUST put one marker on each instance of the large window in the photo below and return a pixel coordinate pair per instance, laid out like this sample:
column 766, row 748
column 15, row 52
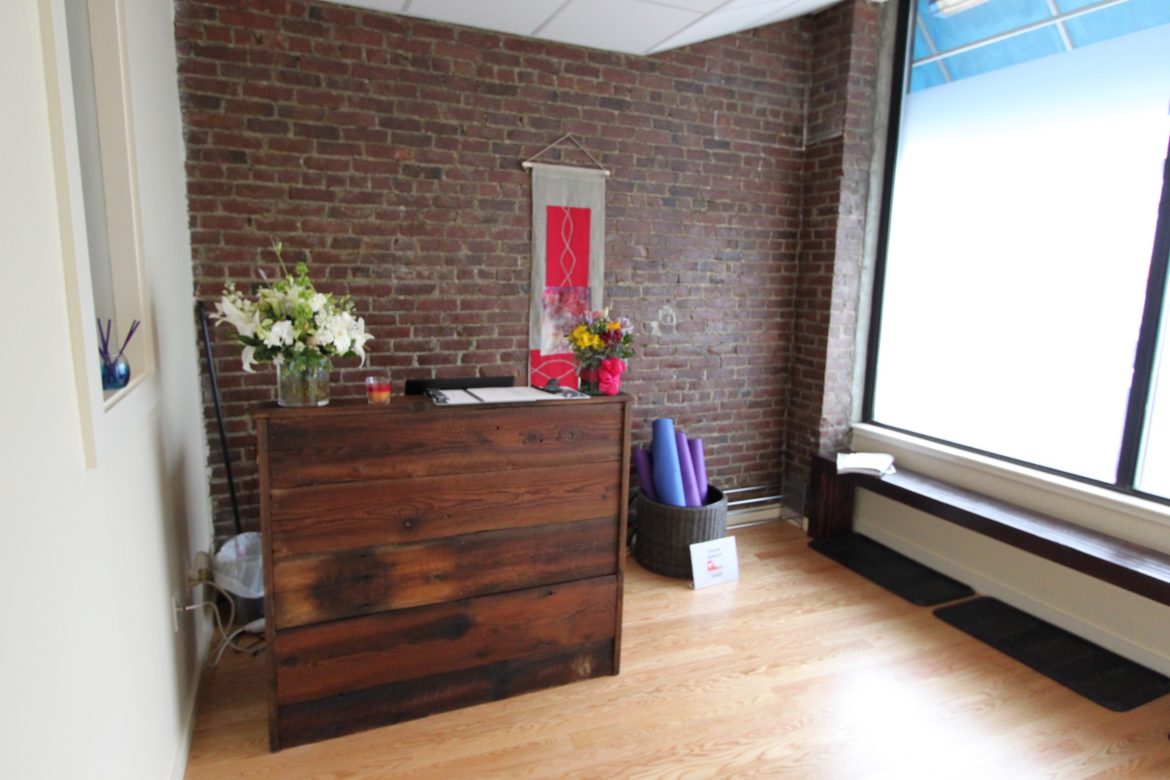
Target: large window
column 1021, row 286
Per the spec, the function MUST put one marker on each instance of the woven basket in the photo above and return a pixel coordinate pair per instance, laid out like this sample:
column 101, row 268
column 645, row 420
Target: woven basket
column 666, row 533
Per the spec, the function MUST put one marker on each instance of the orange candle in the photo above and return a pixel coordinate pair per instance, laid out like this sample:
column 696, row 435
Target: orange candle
column 378, row 389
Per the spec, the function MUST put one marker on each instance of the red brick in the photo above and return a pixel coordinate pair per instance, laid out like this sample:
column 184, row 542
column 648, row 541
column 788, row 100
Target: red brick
column 389, row 147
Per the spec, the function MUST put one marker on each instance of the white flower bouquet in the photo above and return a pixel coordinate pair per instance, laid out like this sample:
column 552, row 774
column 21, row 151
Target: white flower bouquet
column 291, row 324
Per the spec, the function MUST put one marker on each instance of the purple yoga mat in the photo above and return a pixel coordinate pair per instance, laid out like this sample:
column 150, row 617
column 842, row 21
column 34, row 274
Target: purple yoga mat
column 664, row 459
column 690, row 487
column 645, row 473
column 699, row 464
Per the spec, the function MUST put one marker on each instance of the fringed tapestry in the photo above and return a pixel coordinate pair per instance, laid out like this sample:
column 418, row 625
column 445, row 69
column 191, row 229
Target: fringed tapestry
column 568, row 263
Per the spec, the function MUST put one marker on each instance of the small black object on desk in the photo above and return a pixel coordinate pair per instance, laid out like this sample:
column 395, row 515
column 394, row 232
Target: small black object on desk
column 420, row 386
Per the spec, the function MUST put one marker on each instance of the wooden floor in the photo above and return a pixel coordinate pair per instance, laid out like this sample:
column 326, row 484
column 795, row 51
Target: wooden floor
column 801, row 670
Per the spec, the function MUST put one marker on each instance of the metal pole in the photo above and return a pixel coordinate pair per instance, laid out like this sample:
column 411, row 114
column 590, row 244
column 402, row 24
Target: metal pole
column 227, row 461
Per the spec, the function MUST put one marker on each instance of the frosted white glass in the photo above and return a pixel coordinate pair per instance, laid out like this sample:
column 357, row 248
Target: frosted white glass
column 1022, row 221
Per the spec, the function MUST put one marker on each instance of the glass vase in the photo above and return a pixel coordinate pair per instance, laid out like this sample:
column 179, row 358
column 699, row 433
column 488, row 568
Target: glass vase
column 587, row 380
column 115, row 373
column 303, row 384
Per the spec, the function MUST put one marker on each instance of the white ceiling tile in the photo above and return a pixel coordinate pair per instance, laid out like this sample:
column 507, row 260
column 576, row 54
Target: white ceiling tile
column 519, row 17
column 631, row 26
column 702, row 6
column 736, row 5
column 755, row 13
column 719, row 24
column 799, row 8
column 391, row 6
column 617, row 25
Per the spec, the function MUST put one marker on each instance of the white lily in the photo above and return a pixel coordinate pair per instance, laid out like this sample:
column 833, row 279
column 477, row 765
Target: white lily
column 249, row 358
column 359, row 336
column 238, row 313
column 279, row 335
column 273, row 326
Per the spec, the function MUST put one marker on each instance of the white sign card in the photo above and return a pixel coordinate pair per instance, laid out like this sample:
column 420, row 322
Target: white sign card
column 714, row 562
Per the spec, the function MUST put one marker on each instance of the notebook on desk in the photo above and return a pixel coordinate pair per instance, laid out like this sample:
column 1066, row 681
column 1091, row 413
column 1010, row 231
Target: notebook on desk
column 495, row 395
column 499, row 395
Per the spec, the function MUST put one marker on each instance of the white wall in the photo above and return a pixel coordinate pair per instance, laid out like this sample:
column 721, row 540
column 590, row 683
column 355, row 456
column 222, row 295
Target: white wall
column 94, row 683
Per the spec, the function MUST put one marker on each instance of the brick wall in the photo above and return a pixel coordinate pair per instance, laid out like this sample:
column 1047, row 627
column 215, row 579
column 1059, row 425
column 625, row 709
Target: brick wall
column 836, row 184
column 388, row 148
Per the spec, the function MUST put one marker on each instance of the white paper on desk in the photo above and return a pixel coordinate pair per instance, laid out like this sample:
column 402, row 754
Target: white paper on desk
column 499, row 395
column 458, row 398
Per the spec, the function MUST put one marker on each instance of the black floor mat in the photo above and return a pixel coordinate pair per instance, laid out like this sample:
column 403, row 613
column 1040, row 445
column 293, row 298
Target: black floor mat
column 1094, row 672
column 893, row 571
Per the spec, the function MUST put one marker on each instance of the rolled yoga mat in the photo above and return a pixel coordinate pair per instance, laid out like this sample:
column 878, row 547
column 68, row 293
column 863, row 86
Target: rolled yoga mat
column 664, row 458
column 699, row 464
column 645, row 473
column 690, row 489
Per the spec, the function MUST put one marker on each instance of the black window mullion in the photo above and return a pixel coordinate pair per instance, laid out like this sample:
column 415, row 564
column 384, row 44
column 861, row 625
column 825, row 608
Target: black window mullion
column 1147, row 346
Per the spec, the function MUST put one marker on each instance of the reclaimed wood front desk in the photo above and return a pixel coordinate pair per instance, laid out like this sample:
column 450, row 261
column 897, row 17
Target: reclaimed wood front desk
column 422, row 558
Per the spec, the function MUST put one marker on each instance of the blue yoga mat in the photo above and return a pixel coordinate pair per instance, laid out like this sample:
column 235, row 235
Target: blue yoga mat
column 667, row 474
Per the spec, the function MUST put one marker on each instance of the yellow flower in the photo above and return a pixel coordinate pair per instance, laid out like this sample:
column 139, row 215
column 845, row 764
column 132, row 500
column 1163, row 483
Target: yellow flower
column 613, row 326
column 581, row 336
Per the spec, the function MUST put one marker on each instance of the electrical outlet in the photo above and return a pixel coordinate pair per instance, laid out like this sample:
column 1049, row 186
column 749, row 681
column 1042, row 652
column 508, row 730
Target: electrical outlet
column 200, row 568
column 176, row 610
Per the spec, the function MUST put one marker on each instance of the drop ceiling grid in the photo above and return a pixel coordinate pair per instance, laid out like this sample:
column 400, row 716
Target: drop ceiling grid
column 627, row 26
column 517, row 17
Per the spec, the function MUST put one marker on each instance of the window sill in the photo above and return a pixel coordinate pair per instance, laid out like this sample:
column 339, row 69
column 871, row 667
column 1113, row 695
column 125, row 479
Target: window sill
column 1136, row 520
column 111, row 398
column 118, row 415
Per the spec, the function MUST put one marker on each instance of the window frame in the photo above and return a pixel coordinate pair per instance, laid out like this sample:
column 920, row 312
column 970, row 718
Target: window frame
column 1145, row 360
column 104, row 414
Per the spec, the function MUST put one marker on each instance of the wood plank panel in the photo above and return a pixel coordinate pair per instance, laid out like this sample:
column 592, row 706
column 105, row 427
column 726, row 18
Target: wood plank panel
column 830, row 499
column 401, row 542
column 349, row 655
column 313, row 588
column 382, row 705
column 324, row 518
column 421, row 441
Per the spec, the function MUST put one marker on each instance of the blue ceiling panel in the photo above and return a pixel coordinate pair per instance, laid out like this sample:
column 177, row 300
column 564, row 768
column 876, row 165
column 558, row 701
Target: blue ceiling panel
column 1115, row 21
column 926, row 76
column 1064, row 6
column 994, row 21
column 1010, row 51
column 982, row 21
column 922, row 47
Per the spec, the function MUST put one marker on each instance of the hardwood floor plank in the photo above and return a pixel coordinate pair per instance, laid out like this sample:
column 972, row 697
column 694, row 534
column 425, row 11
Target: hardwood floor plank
column 799, row 670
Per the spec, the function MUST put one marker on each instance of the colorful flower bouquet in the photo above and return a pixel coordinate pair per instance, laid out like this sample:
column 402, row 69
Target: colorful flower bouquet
column 601, row 346
column 294, row 326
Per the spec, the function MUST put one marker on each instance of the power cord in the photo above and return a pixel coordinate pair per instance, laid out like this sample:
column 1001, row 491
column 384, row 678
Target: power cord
column 255, row 627
column 228, row 640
